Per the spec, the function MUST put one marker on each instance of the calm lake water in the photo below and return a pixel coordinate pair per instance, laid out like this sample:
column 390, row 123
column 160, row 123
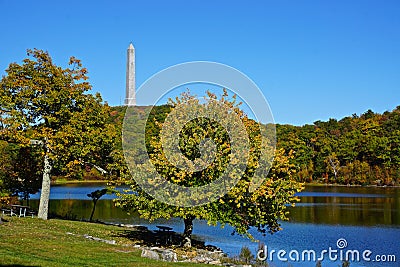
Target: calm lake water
column 368, row 218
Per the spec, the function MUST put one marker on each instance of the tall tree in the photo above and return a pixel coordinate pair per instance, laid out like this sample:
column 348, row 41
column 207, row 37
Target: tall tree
column 240, row 207
column 47, row 105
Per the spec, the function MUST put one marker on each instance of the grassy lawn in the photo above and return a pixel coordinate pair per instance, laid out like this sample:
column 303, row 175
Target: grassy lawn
column 35, row 242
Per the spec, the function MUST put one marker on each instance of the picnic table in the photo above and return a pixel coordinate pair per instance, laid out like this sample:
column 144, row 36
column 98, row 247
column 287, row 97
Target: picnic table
column 164, row 228
column 165, row 233
column 18, row 210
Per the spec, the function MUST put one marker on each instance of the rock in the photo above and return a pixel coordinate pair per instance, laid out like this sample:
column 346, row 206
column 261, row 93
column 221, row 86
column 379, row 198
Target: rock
column 146, row 253
column 215, row 262
column 187, row 242
column 168, row 255
column 211, row 248
column 111, row 242
column 202, row 259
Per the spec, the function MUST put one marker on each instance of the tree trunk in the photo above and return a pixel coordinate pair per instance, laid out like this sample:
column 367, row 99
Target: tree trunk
column 187, row 234
column 94, row 207
column 45, row 192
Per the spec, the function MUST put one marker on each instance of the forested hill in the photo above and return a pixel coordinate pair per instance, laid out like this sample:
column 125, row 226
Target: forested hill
column 362, row 150
column 354, row 150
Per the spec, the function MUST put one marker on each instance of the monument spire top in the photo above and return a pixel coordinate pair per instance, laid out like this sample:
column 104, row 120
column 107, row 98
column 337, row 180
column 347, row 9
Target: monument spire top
column 130, row 90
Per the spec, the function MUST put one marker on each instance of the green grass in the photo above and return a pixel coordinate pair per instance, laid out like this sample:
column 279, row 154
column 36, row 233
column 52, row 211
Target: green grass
column 35, row 242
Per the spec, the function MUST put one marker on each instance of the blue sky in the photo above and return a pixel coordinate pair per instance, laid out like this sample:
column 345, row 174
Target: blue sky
column 313, row 60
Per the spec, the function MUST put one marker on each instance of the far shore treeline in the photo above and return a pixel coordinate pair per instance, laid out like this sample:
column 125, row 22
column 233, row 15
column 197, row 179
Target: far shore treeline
column 356, row 150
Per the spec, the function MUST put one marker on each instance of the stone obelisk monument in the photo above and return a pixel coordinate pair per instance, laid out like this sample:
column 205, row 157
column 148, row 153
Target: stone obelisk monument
column 130, row 93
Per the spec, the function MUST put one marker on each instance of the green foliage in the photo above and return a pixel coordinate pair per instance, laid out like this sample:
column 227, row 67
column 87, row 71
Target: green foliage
column 39, row 100
column 117, row 168
column 241, row 208
column 356, row 150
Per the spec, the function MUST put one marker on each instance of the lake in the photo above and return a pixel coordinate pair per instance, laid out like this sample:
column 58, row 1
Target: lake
column 327, row 218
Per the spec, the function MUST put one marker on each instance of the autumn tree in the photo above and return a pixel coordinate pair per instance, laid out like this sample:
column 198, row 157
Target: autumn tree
column 48, row 106
column 194, row 166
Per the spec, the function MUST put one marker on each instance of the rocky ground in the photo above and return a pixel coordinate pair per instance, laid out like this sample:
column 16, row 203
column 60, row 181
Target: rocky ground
column 153, row 246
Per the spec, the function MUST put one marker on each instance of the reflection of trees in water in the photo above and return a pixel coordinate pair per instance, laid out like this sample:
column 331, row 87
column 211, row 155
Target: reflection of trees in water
column 384, row 209
column 81, row 209
column 348, row 210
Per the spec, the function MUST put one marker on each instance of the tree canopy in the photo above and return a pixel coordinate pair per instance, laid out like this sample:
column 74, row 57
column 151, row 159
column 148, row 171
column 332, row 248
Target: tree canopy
column 49, row 106
column 241, row 207
column 357, row 150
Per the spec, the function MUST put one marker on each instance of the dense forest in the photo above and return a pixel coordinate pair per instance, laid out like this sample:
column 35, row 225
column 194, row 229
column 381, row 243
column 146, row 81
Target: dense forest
column 356, row 150
column 361, row 150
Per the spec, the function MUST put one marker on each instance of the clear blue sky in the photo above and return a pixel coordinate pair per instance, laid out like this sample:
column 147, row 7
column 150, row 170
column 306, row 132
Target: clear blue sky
column 312, row 59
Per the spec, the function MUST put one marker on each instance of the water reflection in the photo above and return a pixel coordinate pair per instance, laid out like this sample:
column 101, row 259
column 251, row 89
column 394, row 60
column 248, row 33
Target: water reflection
column 369, row 206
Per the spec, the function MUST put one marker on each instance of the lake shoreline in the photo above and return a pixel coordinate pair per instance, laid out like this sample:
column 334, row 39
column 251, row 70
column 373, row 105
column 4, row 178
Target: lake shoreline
column 64, row 182
column 351, row 185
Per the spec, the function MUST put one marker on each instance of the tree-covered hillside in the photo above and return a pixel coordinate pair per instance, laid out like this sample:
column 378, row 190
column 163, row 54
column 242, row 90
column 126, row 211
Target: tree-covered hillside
column 354, row 150
column 362, row 150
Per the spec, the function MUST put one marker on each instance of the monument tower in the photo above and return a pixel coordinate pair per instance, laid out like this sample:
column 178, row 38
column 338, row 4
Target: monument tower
column 130, row 93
